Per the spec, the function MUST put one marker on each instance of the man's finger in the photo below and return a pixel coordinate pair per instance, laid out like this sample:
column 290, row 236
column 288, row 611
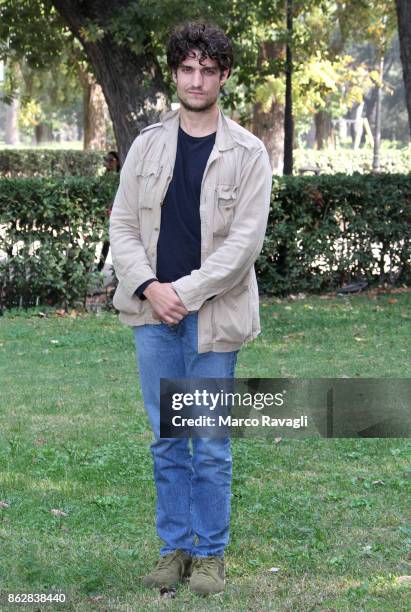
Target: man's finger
column 179, row 310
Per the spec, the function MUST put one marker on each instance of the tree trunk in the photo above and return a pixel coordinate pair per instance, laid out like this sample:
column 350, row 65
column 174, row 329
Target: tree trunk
column 377, row 127
column 269, row 124
column 133, row 85
column 12, row 136
column 42, row 133
column 323, row 126
column 404, row 32
column 288, row 113
column 355, row 114
column 95, row 113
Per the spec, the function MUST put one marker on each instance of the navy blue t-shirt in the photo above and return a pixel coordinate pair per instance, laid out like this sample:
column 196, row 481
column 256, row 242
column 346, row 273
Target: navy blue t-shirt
column 179, row 242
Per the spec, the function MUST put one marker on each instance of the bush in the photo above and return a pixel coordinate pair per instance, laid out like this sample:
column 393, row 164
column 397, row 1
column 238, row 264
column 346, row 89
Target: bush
column 49, row 233
column 348, row 161
column 47, row 163
column 324, row 231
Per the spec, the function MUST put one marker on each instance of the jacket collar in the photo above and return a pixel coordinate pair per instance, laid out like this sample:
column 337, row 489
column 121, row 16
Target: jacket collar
column 223, row 140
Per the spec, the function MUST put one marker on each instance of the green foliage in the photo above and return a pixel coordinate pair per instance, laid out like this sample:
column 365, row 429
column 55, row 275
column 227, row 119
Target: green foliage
column 31, row 29
column 47, row 163
column 322, row 231
column 327, row 230
column 348, row 160
column 51, row 230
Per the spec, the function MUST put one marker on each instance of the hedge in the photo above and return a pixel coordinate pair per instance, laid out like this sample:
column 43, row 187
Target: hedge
column 322, row 232
column 49, row 233
column 47, row 163
column 349, row 161
column 326, row 231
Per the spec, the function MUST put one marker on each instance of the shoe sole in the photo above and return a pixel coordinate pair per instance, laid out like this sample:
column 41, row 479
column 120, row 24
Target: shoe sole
column 200, row 592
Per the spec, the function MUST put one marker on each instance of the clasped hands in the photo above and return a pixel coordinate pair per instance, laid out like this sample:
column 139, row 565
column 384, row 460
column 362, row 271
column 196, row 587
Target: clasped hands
column 165, row 302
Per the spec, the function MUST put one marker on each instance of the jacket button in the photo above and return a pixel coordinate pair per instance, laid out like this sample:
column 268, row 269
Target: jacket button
column 156, row 229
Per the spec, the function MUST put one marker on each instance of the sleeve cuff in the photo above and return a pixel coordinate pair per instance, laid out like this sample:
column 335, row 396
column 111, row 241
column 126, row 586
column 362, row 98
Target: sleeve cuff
column 139, row 291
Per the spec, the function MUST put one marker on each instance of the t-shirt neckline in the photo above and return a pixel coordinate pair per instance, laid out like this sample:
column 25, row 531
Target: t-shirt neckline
column 195, row 138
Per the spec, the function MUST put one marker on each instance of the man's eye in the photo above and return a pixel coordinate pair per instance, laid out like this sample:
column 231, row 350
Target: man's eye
column 209, row 71
column 186, row 69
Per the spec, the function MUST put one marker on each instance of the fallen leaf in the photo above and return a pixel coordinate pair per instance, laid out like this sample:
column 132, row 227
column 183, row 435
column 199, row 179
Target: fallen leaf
column 277, row 440
column 359, row 339
column 54, row 341
column 61, row 313
column 73, row 314
column 308, row 306
column 392, row 300
column 3, row 504
column 274, row 569
column 378, row 482
column 41, row 314
column 96, row 598
column 403, row 579
column 287, row 308
column 58, row 512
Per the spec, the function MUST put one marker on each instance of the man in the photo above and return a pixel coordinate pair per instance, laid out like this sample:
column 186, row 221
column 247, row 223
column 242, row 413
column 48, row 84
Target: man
column 187, row 225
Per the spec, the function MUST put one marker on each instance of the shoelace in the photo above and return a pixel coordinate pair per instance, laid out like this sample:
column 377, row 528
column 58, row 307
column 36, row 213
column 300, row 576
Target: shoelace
column 204, row 565
column 165, row 561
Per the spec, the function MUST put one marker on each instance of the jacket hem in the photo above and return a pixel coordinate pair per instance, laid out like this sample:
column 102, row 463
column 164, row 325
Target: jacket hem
column 219, row 346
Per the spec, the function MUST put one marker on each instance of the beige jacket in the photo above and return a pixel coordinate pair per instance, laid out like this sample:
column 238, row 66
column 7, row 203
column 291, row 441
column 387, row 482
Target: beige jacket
column 234, row 205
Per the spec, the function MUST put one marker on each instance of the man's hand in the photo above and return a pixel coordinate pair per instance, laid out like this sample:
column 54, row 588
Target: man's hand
column 165, row 302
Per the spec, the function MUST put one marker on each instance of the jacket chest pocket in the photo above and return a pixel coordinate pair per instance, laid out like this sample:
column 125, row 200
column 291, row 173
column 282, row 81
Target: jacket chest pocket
column 226, row 197
column 148, row 174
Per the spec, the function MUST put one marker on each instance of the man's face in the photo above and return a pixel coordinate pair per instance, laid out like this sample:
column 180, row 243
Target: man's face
column 110, row 163
column 198, row 85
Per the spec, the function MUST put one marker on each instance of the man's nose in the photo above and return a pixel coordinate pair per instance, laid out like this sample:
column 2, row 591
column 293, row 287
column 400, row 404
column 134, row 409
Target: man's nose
column 197, row 79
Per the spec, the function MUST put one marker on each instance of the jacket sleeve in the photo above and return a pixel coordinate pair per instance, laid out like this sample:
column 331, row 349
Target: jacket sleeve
column 129, row 256
column 231, row 261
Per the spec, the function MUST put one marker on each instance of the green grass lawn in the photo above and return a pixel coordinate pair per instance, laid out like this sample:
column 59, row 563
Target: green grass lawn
column 74, row 438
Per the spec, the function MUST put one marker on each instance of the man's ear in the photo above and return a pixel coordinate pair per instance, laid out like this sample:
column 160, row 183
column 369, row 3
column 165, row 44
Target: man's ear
column 224, row 77
column 174, row 75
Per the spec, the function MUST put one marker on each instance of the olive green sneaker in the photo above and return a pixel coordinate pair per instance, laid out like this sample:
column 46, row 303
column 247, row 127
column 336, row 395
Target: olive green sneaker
column 169, row 570
column 207, row 575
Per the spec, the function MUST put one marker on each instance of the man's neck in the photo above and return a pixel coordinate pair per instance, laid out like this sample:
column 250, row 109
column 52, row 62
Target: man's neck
column 199, row 124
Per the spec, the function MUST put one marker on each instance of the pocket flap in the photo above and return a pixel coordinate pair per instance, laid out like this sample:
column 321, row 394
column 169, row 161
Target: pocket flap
column 147, row 167
column 226, row 194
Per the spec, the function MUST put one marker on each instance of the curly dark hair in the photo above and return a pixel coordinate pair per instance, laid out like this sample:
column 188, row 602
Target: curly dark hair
column 207, row 38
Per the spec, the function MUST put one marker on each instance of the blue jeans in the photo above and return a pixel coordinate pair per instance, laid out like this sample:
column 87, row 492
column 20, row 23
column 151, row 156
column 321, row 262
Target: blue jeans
column 193, row 484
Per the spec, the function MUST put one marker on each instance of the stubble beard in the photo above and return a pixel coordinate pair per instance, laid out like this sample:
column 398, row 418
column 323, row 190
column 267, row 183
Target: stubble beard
column 197, row 109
